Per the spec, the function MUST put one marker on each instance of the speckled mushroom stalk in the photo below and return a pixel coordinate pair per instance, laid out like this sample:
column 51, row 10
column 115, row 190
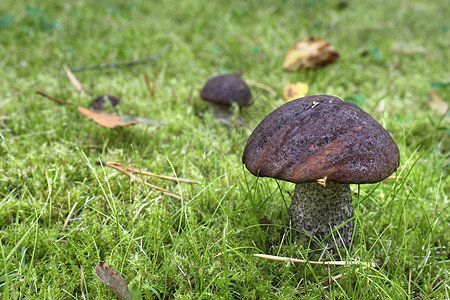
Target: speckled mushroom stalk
column 324, row 214
column 322, row 144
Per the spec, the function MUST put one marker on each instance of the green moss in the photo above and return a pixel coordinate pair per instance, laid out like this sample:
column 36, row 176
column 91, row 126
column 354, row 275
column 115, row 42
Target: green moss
column 202, row 247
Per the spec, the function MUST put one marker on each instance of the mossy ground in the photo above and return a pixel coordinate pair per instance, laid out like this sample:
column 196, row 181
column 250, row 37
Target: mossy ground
column 393, row 55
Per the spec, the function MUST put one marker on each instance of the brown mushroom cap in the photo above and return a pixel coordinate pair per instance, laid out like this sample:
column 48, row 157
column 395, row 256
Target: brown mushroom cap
column 226, row 89
column 98, row 102
column 321, row 136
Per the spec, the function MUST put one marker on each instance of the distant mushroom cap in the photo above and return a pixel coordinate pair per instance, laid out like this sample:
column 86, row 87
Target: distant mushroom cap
column 321, row 137
column 98, row 102
column 226, row 90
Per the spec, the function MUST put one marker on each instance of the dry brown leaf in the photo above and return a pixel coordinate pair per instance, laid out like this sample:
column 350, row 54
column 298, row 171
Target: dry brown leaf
column 438, row 103
column 310, row 53
column 104, row 120
column 76, row 83
column 107, row 121
column 113, row 280
column 295, row 91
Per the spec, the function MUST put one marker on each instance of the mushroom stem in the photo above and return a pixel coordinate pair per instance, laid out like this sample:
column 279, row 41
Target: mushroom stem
column 221, row 112
column 317, row 211
column 226, row 114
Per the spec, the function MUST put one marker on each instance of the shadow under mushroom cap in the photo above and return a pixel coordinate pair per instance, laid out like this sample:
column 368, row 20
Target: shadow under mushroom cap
column 321, row 136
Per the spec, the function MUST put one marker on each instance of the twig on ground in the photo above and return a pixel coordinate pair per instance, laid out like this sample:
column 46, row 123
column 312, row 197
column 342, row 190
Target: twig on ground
column 261, row 86
column 134, row 169
column 76, row 83
column 81, row 282
column 121, row 65
column 335, row 278
column 122, row 168
column 69, row 215
column 55, row 99
column 151, row 88
column 409, row 283
column 325, row 263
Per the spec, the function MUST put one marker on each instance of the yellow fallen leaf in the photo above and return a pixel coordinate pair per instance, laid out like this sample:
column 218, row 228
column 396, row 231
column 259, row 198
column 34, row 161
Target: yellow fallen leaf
column 295, row 91
column 310, row 53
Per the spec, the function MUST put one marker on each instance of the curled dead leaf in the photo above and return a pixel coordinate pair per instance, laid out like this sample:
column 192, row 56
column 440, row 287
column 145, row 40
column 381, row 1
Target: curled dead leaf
column 104, row 120
column 113, row 280
column 295, row 91
column 107, row 121
column 310, row 53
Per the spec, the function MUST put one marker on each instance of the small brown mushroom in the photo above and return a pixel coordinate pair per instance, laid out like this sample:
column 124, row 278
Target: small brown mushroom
column 98, row 103
column 223, row 91
column 322, row 144
column 226, row 90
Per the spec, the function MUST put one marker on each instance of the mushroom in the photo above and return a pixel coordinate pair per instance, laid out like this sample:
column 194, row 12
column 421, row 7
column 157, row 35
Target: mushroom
column 224, row 91
column 98, row 103
column 322, row 144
